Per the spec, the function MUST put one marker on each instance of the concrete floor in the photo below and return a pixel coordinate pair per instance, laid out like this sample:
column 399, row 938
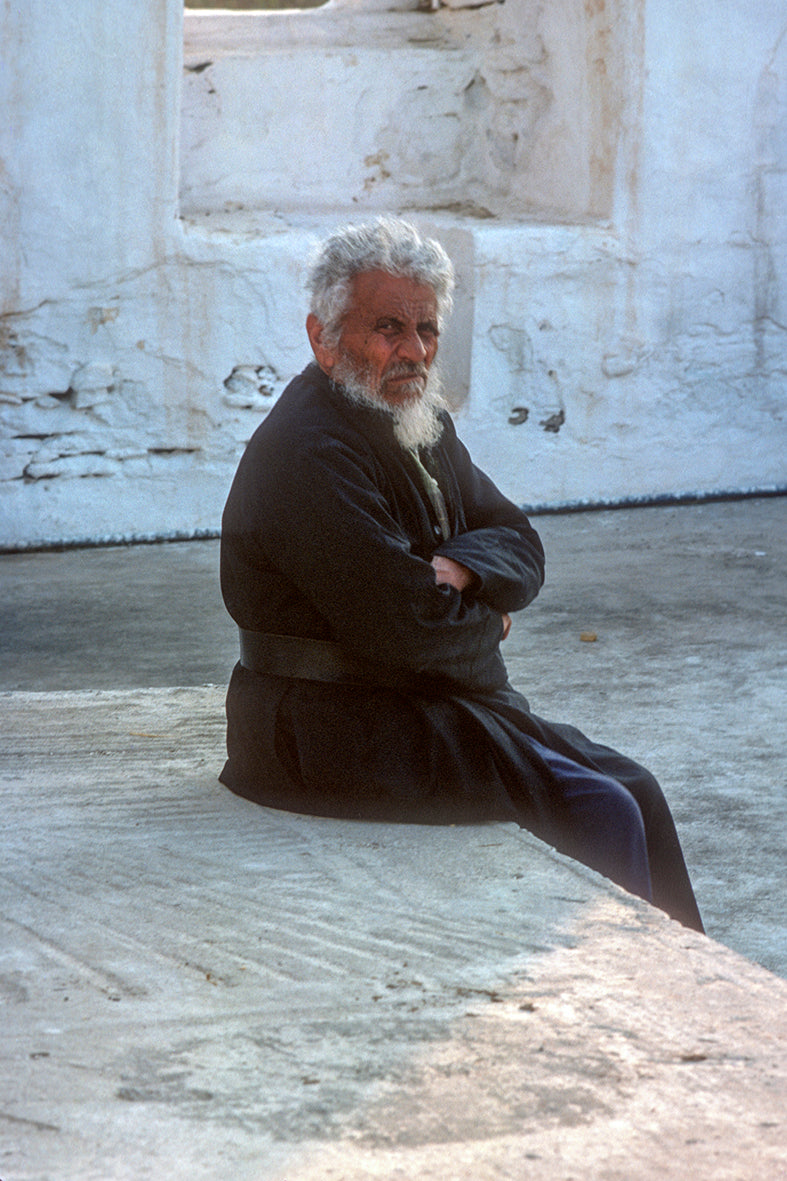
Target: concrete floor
column 194, row 988
column 687, row 673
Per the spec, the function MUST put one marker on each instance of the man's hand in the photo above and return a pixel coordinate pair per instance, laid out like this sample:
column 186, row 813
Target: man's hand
column 447, row 572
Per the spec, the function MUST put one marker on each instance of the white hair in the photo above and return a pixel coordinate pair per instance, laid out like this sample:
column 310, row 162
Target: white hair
column 416, row 422
column 387, row 244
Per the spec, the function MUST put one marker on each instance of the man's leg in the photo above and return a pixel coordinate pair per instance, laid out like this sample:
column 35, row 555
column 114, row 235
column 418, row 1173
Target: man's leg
column 600, row 823
column 672, row 889
column 670, row 883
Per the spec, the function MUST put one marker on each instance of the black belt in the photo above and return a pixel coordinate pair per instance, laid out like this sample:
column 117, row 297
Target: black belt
column 307, row 659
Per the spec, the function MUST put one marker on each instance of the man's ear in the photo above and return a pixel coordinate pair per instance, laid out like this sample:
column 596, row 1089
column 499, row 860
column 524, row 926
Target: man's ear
column 326, row 357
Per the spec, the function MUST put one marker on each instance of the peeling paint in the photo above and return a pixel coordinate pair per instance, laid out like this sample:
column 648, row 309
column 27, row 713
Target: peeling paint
column 98, row 316
column 251, row 387
column 554, row 422
column 141, row 345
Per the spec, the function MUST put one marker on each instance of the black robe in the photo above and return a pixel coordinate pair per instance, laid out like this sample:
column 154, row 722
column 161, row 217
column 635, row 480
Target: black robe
column 328, row 533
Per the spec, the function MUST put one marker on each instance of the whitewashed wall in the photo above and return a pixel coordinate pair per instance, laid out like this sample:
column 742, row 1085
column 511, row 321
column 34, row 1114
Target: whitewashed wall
column 609, row 177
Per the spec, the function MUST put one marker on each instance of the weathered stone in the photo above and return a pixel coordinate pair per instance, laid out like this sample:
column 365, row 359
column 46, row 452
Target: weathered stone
column 71, row 467
column 251, row 387
column 93, row 376
column 534, row 156
column 15, row 454
column 198, row 986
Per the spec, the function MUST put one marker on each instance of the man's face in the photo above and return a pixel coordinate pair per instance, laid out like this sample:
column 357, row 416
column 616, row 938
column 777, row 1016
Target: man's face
column 389, row 336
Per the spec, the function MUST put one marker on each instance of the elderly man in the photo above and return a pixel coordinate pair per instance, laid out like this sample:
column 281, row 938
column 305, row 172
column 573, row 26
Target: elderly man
column 372, row 570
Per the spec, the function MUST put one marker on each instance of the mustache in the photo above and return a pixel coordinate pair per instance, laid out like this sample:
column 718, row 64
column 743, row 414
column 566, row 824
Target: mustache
column 408, row 369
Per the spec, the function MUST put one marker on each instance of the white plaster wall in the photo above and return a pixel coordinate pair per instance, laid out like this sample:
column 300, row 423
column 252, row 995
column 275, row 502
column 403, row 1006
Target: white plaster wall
column 615, row 203
column 661, row 336
column 493, row 110
column 91, row 373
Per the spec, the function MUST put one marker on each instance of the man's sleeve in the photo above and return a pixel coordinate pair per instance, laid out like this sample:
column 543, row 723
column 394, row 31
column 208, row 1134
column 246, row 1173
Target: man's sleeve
column 500, row 546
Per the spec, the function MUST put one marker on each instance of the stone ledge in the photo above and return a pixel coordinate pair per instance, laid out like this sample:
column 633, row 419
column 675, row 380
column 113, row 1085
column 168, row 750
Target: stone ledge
column 197, row 987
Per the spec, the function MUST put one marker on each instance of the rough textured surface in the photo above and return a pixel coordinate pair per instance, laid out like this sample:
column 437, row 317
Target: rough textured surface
column 195, row 987
column 686, row 672
column 515, row 116
column 610, row 344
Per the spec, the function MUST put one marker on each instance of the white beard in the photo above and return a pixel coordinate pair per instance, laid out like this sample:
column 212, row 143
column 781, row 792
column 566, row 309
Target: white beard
column 416, row 422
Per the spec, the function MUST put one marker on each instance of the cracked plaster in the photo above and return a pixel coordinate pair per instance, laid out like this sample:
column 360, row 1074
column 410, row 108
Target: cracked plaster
column 608, row 343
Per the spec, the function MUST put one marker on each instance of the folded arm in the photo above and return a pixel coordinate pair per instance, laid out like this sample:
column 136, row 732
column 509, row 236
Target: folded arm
column 336, row 540
column 451, row 573
column 498, row 544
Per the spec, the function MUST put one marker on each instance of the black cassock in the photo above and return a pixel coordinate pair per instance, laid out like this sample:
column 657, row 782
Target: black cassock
column 328, row 533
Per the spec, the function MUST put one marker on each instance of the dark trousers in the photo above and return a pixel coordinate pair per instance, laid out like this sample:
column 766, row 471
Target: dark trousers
column 613, row 817
column 602, row 825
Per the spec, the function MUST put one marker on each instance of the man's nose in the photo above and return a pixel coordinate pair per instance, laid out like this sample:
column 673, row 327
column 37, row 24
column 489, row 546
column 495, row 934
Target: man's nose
column 412, row 348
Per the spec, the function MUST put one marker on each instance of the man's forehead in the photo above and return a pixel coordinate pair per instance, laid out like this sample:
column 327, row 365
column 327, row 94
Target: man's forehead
column 379, row 293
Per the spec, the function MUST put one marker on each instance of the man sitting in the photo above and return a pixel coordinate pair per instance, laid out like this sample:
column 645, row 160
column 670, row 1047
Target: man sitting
column 372, row 570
